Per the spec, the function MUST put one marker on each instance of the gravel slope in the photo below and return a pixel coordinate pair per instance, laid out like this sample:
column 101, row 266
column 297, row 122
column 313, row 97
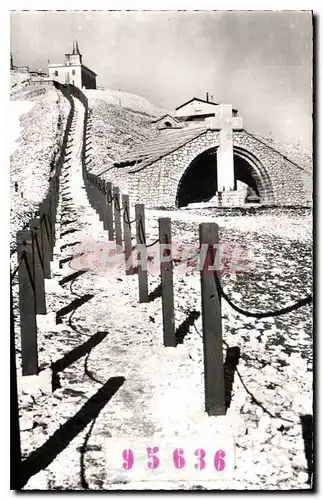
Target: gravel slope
column 31, row 163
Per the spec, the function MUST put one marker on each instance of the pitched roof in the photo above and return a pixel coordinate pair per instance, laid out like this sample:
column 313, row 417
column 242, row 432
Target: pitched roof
column 165, row 116
column 200, row 100
column 159, row 147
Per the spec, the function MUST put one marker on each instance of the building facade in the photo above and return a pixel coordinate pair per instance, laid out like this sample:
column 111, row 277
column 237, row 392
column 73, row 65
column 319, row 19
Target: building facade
column 198, row 109
column 73, row 71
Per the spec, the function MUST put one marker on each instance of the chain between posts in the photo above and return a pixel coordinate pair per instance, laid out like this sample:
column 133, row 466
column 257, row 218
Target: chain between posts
column 109, row 196
column 24, row 258
column 142, row 236
column 117, row 204
column 127, row 221
column 302, row 302
column 39, row 252
column 13, row 274
column 47, row 222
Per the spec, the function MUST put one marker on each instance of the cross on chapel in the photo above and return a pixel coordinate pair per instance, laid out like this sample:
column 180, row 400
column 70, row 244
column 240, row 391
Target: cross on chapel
column 225, row 123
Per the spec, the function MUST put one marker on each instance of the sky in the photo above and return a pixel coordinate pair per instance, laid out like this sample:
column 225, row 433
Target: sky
column 258, row 61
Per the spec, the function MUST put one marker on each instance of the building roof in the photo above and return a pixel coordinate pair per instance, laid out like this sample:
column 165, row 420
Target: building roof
column 164, row 144
column 165, row 116
column 200, row 100
column 160, row 146
column 189, row 118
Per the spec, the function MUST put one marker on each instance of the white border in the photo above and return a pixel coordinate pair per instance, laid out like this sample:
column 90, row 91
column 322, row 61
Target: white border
column 4, row 198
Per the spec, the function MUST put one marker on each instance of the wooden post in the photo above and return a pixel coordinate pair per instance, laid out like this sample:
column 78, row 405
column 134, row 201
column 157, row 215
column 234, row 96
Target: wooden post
column 109, row 209
column 127, row 235
column 96, row 195
column 212, row 324
column 45, row 240
column 104, row 206
column 52, row 215
column 93, row 192
column 27, row 305
column 37, row 268
column 89, row 188
column 166, row 274
column 47, row 212
column 142, row 252
column 117, row 219
column 15, row 443
column 101, row 198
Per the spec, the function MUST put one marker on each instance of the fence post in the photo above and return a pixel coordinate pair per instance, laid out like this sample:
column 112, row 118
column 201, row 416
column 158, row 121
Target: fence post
column 49, row 233
column 166, row 274
column 127, row 234
column 38, row 268
column 27, row 305
column 142, row 252
column 101, row 198
column 117, row 219
column 212, row 323
column 94, row 193
column 109, row 210
column 52, row 214
column 90, row 190
column 45, row 240
column 96, row 196
column 15, row 443
column 104, row 206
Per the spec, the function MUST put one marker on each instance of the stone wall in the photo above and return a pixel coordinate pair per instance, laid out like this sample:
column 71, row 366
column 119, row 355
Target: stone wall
column 279, row 181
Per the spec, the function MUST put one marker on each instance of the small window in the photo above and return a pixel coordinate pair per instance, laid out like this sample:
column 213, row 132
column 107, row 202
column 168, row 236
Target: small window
column 73, row 71
column 168, row 124
column 56, row 73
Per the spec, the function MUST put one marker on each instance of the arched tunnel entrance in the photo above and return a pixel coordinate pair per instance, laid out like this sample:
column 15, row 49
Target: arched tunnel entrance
column 199, row 181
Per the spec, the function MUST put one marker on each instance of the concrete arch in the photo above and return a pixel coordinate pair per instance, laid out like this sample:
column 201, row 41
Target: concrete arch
column 254, row 166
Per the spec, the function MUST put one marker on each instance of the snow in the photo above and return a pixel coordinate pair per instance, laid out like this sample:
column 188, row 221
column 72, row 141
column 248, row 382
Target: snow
column 35, row 153
column 17, row 109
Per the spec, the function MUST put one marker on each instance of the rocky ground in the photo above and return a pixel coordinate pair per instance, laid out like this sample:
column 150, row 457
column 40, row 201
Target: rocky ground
column 120, row 121
column 108, row 354
column 33, row 151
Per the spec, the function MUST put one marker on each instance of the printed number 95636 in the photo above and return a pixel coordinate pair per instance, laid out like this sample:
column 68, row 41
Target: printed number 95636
column 178, row 458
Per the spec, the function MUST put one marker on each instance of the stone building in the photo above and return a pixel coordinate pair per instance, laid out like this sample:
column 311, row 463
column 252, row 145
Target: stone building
column 73, row 71
column 202, row 152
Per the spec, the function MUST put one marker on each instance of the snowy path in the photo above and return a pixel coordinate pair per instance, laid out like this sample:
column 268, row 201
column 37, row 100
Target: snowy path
column 131, row 348
column 157, row 391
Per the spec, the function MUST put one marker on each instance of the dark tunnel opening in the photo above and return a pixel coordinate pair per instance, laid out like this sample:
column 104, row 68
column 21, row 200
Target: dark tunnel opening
column 199, row 182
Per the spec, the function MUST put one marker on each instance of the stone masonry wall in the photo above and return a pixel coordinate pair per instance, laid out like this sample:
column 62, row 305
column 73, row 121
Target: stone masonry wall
column 280, row 182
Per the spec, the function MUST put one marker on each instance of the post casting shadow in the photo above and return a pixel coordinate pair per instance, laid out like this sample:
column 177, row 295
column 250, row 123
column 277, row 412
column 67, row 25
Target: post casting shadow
column 72, row 306
column 183, row 329
column 78, row 352
column 45, row 454
column 230, row 367
column 307, row 432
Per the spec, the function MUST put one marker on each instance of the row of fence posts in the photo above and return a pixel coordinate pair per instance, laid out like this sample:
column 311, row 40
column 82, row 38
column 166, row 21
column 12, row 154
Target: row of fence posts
column 35, row 247
column 105, row 199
